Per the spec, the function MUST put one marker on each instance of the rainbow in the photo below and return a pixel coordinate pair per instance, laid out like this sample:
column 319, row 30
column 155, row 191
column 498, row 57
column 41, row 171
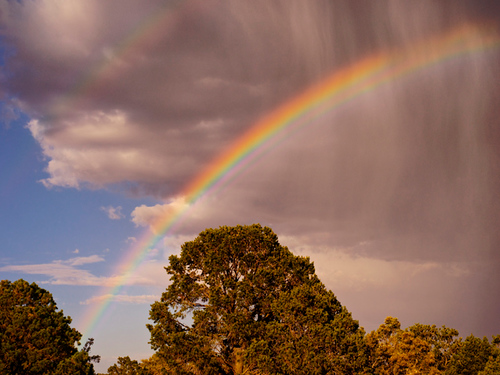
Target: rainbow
column 337, row 89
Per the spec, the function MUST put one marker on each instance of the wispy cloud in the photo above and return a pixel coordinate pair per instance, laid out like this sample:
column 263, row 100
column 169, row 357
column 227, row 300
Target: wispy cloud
column 78, row 261
column 114, row 213
column 59, row 273
column 131, row 240
column 66, row 272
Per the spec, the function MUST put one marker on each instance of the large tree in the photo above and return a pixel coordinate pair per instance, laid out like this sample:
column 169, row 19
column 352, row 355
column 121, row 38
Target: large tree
column 35, row 338
column 239, row 302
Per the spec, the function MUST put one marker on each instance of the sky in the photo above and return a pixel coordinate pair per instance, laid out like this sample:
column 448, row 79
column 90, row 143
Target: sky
column 111, row 109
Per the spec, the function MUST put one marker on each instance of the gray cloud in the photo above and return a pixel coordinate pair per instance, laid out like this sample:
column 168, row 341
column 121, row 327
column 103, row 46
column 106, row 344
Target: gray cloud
column 410, row 170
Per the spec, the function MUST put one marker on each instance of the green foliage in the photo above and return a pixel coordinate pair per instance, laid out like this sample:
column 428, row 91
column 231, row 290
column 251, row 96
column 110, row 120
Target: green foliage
column 311, row 334
column 79, row 363
column 419, row 349
column 254, row 307
column 492, row 366
column 127, row 366
column 470, row 356
column 35, row 338
column 155, row 365
column 425, row 349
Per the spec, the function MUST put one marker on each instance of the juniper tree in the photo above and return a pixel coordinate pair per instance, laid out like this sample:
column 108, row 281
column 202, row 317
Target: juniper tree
column 35, row 338
column 239, row 302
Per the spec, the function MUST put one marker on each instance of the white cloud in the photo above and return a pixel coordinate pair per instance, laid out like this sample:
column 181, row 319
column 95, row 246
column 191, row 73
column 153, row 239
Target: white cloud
column 82, row 260
column 66, row 272
column 173, row 243
column 114, row 213
column 76, row 251
column 96, row 148
column 154, row 216
column 59, row 273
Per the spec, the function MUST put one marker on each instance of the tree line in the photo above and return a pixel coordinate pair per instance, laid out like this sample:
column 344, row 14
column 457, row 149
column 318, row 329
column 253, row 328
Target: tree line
column 239, row 303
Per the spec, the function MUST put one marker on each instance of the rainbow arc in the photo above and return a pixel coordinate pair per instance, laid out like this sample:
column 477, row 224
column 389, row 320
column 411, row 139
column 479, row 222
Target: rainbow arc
column 342, row 86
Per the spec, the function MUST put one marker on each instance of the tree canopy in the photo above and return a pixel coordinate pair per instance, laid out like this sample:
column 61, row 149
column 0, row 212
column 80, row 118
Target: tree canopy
column 239, row 302
column 426, row 349
column 473, row 356
column 127, row 366
column 35, row 338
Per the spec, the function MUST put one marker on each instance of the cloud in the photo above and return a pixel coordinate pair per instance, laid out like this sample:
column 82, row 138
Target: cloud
column 348, row 269
column 122, row 298
column 153, row 216
column 59, row 273
column 405, row 166
column 66, row 272
column 114, row 213
column 8, row 112
column 131, row 240
column 82, row 260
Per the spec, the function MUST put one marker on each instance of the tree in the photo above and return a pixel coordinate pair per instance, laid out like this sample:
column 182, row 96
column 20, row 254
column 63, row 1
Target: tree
column 35, row 338
column 441, row 340
column 79, row 363
column 239, row 302
column 155, row 365
column 470, row 356
column 492, row 367
column 419, row 349
column 127, row 366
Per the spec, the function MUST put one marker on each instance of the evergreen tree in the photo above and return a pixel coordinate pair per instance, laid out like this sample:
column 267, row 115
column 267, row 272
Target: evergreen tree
column 470, row 356
column 419, row 349
column 239, row 302
column 35, row 338
column 127, row 366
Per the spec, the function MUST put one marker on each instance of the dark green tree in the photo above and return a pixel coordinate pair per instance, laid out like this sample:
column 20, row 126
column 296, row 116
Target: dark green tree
column 35, row 338
column 79, row 363
column 127, row 366
column 470, row 356
column 239, row 302
column 492, row 367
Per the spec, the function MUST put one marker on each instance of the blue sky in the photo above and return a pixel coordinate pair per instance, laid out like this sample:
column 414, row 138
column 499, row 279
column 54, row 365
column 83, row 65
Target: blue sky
column 107, row 115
